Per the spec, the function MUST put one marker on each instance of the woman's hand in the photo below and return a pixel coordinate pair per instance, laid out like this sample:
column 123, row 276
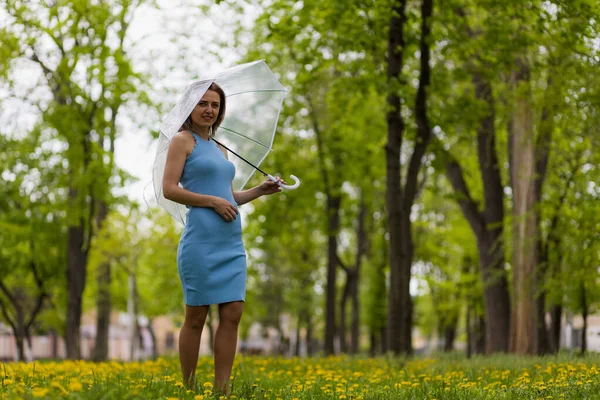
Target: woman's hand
column 225, row 209
column 270, row 187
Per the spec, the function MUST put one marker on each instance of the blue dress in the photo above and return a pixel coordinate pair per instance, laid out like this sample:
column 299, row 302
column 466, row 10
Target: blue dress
column 211, row 258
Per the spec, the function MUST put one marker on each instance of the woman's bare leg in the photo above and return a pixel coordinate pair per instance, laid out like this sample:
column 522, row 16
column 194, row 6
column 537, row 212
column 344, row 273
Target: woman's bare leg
column 226, row 343
column 189, row 342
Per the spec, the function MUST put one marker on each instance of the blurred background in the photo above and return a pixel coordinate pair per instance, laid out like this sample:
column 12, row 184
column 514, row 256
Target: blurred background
column 448, row 153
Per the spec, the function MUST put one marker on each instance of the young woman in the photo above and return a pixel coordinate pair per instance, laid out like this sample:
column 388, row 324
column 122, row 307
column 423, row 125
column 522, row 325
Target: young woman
column 211, row 258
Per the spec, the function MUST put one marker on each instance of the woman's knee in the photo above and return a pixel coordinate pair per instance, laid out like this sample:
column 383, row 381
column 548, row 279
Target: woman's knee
column 195, row 317
column 231, row 313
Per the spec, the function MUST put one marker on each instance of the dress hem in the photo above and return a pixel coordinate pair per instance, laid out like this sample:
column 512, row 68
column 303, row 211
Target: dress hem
column 212, row 303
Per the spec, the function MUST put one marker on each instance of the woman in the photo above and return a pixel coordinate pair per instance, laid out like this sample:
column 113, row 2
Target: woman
column 211, row 258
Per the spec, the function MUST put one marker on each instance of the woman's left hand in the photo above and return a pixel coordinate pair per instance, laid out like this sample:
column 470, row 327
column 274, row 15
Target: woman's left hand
column 270, row 187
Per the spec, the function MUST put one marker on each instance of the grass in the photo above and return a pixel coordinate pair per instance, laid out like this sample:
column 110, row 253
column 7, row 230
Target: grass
column 444, row 377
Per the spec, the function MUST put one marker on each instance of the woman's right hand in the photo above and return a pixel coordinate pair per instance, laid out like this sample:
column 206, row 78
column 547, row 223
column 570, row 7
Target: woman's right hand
column 225, row 209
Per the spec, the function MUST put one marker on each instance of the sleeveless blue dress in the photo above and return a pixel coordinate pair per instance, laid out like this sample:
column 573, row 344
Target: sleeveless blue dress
column 211, row 258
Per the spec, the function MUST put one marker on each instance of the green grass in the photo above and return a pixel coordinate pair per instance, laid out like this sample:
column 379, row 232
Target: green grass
column 444, row 377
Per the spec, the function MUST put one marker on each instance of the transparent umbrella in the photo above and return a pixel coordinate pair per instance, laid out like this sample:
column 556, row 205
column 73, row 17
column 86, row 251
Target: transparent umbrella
column 254, row 98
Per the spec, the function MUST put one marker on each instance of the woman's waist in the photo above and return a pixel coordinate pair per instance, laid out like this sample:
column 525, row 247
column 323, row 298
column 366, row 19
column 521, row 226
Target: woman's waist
column 223, row 194
column 206, row 222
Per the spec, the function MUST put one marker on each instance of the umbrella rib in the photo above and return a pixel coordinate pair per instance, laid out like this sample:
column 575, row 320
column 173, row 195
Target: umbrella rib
column 246, row 137
column 256, row 91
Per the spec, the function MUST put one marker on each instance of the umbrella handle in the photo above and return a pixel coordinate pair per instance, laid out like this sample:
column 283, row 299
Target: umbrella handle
column 289, row 187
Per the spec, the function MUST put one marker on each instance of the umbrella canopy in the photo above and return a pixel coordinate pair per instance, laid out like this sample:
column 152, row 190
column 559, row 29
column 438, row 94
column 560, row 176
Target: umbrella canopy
column 254, row 98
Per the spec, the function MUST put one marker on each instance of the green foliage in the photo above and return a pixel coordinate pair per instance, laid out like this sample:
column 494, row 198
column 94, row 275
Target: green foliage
column 132, row 245
column 32, row 229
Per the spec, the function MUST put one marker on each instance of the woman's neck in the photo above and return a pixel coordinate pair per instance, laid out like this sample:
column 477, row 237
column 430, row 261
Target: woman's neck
column 203, row 132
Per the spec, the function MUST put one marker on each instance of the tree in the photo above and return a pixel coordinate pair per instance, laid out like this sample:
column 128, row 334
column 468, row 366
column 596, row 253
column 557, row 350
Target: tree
column 332, row 75
column 401, row 195
column 32, row 235
column 88, row 77
column 532, row 129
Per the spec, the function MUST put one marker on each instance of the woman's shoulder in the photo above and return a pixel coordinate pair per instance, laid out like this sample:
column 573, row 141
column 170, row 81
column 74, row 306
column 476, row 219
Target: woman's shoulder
column 183, row 140
column 183, row 137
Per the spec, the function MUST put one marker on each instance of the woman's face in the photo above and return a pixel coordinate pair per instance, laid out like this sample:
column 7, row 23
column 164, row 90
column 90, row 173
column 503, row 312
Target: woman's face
column 207, row 110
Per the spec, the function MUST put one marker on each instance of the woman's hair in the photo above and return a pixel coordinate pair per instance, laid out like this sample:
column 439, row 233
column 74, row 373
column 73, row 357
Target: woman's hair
column 187, row 125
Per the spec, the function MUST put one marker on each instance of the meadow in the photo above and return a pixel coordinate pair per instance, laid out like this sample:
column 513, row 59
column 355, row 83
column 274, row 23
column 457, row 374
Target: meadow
column 339, row 377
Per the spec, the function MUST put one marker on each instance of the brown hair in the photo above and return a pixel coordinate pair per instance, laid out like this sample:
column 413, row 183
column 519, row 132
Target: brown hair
column 187, row 125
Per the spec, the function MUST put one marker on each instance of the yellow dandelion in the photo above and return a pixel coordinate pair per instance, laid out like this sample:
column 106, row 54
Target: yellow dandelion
column 58, row 386
column 75, row 386
column 40, row 392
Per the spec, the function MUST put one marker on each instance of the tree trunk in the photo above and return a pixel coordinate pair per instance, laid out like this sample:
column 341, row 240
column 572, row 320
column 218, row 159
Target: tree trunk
column 497, row 303
column 469, row 349
column 584, row 315
column 383, row 335
column 488, row 224
column 475, row 333
column 131, row 312
column 332, row 191
column 76, row 275
column 355, row 324
column 342, row 327
column 524, row 221
column 103, row 299
column 309, row 338
column 395, row 124
column 480, row 336
column 153, row 338
column 450, row 335
column 298, row 341
column 333, row 213
column 555, row 324
column 20, row 342
column 400, row 199
column 542, row 156
column 103, row 309
column 54, row 343
column 541, row 330
column 373, row 344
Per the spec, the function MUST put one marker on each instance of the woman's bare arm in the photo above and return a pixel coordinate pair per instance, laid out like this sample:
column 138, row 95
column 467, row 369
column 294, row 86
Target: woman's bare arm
column 179, row 149
column 246, row 196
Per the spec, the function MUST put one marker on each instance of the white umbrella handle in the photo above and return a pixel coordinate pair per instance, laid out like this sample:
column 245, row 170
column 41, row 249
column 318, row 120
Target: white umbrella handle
column 289, row 187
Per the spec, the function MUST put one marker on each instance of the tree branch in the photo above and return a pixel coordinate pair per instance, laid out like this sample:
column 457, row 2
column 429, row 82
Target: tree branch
column 455, row 174
column 422, row 120
column 35, row 311
column 7, row 317
column 8, row 294
column 340, row 263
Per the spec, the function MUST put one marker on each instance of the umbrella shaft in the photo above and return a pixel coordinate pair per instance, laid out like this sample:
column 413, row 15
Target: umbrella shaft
column 240, row 157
